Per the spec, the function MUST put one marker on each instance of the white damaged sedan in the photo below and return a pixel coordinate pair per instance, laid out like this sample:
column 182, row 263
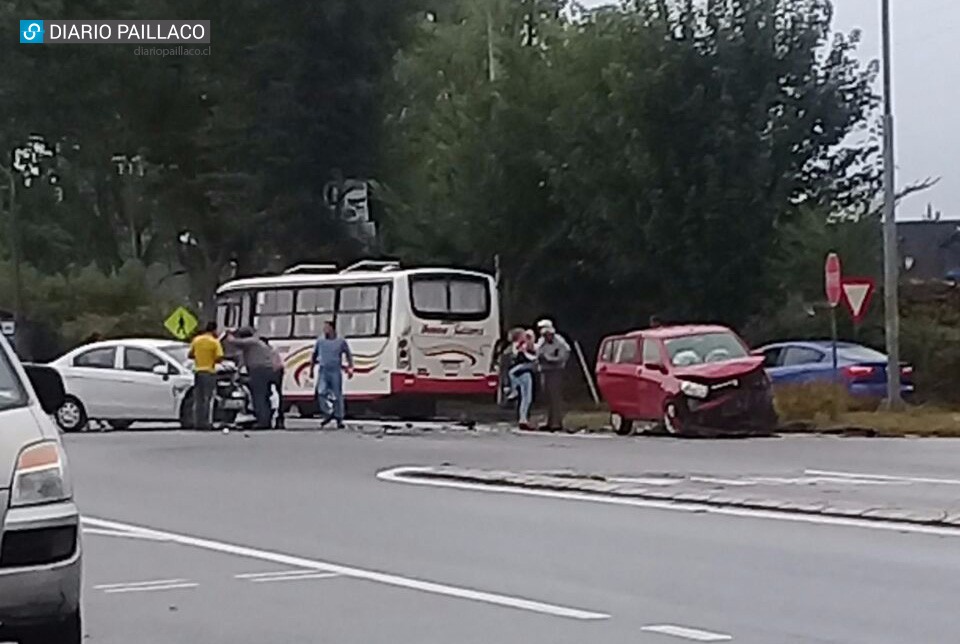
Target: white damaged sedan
column 125, row 381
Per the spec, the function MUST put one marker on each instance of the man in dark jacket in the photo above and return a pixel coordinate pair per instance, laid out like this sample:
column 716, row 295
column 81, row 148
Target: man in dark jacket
column 553, row 352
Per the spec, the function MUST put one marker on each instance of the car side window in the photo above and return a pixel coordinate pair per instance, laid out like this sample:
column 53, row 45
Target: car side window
column 140, row 360
column 606, row 352
column 794, row 356
column 627, row 353
column 102, row 358
column 651, row 352
column 771, row 357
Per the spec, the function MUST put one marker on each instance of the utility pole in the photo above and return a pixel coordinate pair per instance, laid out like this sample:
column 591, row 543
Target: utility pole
column 891, row 251
column 491, row 58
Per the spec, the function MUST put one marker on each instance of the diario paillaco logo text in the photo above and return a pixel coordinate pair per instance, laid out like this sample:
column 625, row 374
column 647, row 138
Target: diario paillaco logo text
column 31, row 32
column 156, row 32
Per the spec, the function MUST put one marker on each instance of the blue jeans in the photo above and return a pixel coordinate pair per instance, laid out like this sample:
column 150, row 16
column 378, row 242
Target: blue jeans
column 514, row 376
column 330, row 393
column 524, row 383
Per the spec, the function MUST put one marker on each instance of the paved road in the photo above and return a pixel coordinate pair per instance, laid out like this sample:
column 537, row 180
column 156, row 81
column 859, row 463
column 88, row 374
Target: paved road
column 289, row 537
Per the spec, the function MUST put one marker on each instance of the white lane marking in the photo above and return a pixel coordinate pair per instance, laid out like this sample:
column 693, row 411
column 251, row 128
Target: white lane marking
column 395, row 475
column 556, row 435
column 694, row 634
column 360, row 573
column 134, row 584
column 717, row 481
column 150, row 589
column 814, row 480
column 316, row 575
column 280, row 573
column 121, row 534
column 884, row 477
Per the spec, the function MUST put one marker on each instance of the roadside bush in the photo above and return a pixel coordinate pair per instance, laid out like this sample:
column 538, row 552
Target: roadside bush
column 817, row 402
column 68, row 307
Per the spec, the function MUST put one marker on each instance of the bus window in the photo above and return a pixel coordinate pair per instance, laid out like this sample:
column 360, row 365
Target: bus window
column 468, row 297
column 228, row 314
column 385, row 305
column 358, row 315
column 450, row 297
column 314, row 307
column 274, row 313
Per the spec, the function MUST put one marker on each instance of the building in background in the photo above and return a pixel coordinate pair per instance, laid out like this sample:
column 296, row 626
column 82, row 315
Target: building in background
column 930, row 249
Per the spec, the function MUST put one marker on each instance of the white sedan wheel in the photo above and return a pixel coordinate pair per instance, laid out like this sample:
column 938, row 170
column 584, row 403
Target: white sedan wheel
column 70, row 416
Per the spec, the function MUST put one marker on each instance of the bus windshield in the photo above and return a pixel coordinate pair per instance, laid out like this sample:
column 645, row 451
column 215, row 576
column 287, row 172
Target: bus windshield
column 450, row 297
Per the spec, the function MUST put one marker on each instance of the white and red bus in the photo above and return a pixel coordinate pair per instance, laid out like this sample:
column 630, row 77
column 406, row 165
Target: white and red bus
column 416, row 334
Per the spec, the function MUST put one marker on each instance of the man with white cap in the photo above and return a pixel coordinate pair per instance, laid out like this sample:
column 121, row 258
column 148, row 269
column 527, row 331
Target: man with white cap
column 553, row 352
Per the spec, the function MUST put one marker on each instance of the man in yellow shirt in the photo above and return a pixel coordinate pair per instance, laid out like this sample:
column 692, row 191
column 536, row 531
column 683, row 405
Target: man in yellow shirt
column 206, row 351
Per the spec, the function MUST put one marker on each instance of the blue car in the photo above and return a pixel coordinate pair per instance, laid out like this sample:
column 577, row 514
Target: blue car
column 861, row 369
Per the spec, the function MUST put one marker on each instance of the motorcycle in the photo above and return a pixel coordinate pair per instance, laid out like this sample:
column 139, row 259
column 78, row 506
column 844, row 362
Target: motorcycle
column 232, row 402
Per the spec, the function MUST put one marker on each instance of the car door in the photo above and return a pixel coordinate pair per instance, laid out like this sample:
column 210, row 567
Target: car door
column 624, row 376
column 147, row 395
column 93, row 378
column 800, row 365
column 604, row 363
column 651, row 395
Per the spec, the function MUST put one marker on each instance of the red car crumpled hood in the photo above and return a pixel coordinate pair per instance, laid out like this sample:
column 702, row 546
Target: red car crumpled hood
column 720, row 370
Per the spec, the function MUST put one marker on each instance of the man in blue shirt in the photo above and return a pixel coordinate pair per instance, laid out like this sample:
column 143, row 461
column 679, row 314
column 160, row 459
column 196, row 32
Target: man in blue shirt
column 328, row 358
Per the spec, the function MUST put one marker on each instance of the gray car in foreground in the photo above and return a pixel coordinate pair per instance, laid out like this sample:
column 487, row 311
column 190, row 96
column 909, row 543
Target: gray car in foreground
column 39, row 522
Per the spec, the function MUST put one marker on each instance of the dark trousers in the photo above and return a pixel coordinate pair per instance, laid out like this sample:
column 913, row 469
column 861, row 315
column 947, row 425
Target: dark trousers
column 553, row 395
column 278, row 385
column 261, row 378
column 204, row 386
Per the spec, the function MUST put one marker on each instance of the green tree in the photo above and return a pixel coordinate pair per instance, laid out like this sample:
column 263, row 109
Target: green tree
column 639, row 160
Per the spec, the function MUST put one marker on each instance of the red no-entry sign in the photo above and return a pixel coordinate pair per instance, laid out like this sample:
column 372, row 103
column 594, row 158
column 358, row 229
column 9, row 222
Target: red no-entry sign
column 832, row 279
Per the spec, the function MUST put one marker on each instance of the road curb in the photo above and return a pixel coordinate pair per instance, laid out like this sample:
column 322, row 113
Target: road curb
column 592, row 485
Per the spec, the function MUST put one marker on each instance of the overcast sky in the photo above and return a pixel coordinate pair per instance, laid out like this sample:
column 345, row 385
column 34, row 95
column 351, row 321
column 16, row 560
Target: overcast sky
column 926, row 39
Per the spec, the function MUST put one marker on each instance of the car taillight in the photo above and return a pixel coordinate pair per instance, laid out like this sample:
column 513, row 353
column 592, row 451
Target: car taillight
column 403, row 354
column 906, row 370
column 858, row 372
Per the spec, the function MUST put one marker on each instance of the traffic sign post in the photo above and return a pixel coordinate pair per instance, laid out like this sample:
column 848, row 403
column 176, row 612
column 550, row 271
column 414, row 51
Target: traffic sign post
column 181, row 323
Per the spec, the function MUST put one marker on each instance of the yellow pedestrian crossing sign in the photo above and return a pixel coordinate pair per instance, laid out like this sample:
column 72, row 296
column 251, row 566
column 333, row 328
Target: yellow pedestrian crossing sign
column 181, row 323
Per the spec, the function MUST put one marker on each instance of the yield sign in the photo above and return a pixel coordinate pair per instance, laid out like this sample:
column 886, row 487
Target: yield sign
column 857, row 292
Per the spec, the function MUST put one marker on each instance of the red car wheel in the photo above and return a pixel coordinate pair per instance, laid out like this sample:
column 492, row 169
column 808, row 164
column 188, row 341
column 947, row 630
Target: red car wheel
column 672, row 422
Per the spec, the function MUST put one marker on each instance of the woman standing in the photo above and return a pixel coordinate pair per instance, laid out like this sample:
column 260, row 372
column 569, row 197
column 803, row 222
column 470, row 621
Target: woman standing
column 522, row 367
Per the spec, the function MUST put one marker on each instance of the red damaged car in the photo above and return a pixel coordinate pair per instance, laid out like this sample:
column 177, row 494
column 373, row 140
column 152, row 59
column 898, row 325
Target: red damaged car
column 687, row 379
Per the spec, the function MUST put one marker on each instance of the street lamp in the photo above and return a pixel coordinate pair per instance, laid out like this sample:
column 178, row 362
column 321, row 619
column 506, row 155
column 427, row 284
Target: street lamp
column 891, row 262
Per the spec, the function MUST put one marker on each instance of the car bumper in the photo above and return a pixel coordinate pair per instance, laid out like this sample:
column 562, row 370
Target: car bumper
column 877, row 390
column 33, row 594
column 402, row 383
column 751, row 412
